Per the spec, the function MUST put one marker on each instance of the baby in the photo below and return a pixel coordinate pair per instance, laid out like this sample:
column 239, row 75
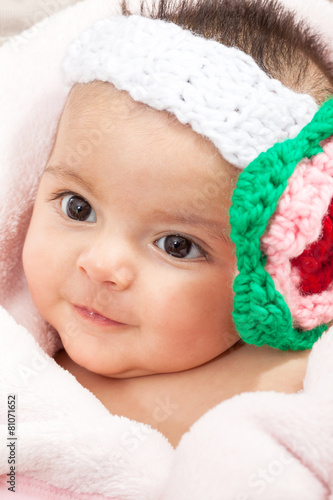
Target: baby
column 128, row 254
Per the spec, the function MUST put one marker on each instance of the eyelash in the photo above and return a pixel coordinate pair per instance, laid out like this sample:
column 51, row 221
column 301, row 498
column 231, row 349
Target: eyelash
column 187, row 237
column 62, row 194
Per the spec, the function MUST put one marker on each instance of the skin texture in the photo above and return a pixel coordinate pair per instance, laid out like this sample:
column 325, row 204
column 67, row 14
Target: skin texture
column 144, row 169
column 178, row 354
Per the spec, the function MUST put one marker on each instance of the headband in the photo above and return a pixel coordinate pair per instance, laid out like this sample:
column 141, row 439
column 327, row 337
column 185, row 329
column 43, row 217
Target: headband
column 280, row 300
column 220, row 91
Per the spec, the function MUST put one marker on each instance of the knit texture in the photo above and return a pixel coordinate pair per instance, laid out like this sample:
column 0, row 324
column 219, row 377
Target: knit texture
column 220, row 91
column 299, row 241
column 261, row 313
column 315, row 263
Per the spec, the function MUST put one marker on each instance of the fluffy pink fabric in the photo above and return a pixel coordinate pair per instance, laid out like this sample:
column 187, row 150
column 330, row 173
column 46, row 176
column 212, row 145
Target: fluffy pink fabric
column 27, row 488
column 259, row 445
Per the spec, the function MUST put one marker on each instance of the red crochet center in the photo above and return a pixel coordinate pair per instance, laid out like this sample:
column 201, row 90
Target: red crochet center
column 315, row 264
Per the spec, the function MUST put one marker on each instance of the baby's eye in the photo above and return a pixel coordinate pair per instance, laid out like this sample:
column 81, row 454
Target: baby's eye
column 77, row 208
column 179, row 246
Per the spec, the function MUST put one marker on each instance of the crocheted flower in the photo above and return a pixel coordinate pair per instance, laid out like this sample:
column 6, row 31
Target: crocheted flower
column 299, row 241
column 284, row 291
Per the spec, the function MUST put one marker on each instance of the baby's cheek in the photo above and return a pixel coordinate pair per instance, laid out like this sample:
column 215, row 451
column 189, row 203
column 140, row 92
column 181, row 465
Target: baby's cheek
column 32, row 268
column 37, row 264
column 186, row 309
column 29, row 258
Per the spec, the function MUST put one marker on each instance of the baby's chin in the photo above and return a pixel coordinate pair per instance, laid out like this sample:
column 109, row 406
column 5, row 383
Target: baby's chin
column 79, row 361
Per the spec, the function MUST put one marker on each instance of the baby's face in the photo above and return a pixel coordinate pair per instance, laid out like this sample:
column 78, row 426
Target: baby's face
column 127, row 253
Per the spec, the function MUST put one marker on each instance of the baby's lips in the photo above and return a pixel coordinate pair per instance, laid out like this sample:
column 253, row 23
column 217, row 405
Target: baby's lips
column 89, row 309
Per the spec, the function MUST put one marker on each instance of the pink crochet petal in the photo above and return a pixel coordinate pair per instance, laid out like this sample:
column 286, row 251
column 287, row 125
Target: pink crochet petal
column 300, row 232
column 315, row 264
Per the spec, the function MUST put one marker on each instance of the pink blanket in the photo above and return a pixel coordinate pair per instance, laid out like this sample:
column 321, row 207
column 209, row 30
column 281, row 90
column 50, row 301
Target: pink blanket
column 260, row 445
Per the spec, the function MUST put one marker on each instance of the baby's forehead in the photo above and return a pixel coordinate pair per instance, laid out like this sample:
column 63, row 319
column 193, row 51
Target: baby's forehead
column 97, row 98
column 103, row 97
column 101, row 105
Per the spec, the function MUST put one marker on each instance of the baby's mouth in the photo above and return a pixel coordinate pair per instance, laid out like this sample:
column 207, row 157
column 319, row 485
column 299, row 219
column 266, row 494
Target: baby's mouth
column 94, row 316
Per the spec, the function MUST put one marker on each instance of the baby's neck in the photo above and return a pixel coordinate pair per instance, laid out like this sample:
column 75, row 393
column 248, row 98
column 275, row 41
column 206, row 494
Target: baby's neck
column 172, row 402
column 240, row 369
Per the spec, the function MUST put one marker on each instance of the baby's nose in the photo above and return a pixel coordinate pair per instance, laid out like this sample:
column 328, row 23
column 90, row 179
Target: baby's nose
column 104, row 262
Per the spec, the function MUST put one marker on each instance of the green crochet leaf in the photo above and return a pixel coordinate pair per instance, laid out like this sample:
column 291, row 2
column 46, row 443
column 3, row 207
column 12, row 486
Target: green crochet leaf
column 260, row 313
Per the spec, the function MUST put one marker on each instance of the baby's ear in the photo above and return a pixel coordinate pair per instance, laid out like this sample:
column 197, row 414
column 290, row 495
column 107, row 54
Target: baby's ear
column 282, row 225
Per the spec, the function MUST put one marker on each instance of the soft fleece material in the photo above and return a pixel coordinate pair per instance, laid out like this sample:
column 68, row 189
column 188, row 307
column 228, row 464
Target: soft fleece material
column 260, row 445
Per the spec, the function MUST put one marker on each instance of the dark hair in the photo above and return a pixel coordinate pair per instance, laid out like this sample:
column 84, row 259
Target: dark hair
column 284, row 48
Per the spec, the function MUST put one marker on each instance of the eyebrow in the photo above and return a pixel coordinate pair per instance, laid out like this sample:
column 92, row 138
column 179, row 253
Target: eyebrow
column 214, row 229
column 64, row 172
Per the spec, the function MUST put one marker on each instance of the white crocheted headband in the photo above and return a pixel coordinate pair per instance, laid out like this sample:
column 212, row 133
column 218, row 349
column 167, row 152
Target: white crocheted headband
column 220, row 91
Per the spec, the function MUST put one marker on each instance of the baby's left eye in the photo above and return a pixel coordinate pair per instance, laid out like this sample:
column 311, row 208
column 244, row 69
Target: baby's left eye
column 77, row 208
column 179, row 246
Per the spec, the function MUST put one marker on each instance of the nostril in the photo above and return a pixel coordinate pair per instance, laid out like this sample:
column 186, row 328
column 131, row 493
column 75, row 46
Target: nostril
column 123, row 276
column 107, row 263
column 117, row 276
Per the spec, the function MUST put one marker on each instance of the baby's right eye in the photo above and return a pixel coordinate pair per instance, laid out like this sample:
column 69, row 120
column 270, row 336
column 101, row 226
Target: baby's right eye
column 78, row 208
